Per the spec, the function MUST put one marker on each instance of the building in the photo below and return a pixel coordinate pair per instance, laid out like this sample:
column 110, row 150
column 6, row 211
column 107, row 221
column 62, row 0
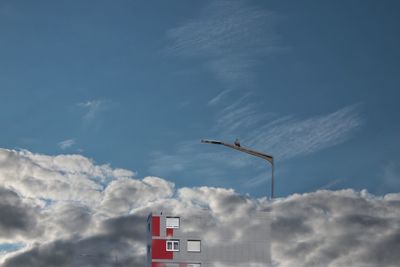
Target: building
column 169, row 244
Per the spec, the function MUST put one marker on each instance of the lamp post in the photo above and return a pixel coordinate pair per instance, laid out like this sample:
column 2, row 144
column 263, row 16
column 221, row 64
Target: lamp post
column 252, row 152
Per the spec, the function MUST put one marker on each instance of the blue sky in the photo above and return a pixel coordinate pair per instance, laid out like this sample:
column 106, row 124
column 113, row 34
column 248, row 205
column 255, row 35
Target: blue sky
column 138, row 84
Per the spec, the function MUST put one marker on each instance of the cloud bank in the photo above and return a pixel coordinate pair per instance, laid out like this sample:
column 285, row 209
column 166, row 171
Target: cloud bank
column 68, row 211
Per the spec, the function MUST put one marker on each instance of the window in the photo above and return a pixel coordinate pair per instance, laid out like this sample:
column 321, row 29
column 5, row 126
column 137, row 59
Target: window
column 193, row 245
column 193, row 265
column 172, row 222
column 172, row 245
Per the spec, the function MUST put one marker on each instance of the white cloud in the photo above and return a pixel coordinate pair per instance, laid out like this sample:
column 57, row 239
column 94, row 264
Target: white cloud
column 60, row 178
column 323, row 228
column 66, row 143
column 336, row 228
column 121, row 196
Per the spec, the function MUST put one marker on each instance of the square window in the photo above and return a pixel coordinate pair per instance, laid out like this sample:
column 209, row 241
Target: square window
column 194, row 245
column 172, row 245
column 172, row 222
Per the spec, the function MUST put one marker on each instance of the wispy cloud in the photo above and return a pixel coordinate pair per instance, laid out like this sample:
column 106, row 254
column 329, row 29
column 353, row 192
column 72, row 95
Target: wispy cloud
column 289, row 136
column 93, row 108
column 66, row 143
column 331, row 184
column 231, row 36
column 391, row 176
column 188, row 155
column 284, row 136
column 218, row 98
column 240, row 115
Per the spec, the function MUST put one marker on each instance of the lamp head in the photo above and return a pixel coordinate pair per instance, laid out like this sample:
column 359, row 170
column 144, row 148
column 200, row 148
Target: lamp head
column 206, row 141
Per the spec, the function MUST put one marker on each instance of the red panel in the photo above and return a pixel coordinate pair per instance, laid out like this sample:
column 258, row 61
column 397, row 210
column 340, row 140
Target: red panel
column 155, row 230
column 159, row 250
column 170, row 232
column 158, row 264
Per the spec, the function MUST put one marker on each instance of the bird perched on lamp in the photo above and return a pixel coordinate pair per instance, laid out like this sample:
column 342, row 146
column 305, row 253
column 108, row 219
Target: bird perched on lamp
column 237, row 142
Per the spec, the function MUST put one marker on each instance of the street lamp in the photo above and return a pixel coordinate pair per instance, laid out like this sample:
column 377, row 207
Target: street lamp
column 237, row 146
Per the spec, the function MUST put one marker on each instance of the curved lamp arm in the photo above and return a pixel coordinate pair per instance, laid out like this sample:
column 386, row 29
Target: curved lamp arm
column 252, row 152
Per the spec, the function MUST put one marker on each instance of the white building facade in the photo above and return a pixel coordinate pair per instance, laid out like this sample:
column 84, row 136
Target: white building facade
column 169, row 244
